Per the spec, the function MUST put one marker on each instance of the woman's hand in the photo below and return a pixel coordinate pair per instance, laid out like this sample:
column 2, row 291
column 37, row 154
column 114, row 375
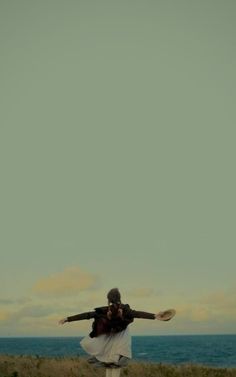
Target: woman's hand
column 62, row 321
column 166, row 315
column 159, row 315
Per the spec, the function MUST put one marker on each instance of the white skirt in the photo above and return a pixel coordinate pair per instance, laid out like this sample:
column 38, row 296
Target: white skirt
column 108, row 348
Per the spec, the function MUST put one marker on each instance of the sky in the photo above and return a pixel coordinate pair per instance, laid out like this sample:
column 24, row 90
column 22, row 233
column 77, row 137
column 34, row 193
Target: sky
column 117, row 157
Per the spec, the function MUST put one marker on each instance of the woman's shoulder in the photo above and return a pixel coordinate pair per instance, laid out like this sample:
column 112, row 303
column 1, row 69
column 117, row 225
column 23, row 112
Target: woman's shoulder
column 125, row 306
column 101, row 309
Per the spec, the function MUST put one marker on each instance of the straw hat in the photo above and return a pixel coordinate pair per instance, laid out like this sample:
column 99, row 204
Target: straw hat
column 166, row 315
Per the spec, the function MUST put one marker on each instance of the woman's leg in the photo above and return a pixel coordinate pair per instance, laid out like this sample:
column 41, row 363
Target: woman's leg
column 115, row 372
column 108, row 372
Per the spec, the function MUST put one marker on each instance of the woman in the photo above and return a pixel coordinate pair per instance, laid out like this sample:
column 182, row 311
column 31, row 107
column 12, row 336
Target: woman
column 109, row 342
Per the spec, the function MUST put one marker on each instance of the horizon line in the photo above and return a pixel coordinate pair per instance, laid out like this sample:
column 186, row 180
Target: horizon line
column 82, row 336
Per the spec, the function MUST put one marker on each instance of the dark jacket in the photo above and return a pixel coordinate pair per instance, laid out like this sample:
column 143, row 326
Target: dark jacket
column 102, row 325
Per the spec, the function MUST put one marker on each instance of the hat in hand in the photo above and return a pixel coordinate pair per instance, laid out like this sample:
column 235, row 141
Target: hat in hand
column 166, row 315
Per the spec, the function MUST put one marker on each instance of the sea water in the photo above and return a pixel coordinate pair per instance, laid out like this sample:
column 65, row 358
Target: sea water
column 210, row 350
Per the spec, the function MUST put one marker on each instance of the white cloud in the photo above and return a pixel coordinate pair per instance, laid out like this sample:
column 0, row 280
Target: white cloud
column 141, row 292
column 11, row 301
column 71, row 281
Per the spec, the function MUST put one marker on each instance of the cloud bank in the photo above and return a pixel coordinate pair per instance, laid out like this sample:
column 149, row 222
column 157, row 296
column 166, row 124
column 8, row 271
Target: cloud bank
column 69, row 282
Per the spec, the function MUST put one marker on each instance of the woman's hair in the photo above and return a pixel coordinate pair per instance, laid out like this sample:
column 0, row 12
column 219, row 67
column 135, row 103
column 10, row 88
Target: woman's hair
column 114, row 302
column 113, row 296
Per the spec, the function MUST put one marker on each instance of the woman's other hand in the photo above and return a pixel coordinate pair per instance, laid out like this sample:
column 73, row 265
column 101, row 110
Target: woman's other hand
column 159, row 315
column 166, row 315
column 62, row 321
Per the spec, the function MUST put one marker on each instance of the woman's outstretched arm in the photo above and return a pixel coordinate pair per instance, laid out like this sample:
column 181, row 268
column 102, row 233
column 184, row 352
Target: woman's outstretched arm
column 77, row 317
column 146, row 315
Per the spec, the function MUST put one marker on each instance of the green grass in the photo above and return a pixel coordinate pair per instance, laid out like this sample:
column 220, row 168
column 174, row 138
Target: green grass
column 32, row 366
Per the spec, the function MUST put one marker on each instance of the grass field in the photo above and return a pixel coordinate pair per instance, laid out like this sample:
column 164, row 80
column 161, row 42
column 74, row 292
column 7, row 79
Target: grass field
column 29, row 366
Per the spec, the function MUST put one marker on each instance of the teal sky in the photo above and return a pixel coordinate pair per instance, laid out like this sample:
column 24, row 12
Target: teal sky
column 117, row 154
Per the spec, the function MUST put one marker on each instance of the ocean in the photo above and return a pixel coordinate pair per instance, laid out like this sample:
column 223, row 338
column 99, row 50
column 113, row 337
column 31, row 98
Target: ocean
column 209, row 350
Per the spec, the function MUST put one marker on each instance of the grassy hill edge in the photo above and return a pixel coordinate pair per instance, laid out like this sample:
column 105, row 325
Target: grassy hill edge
column 35, row 366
